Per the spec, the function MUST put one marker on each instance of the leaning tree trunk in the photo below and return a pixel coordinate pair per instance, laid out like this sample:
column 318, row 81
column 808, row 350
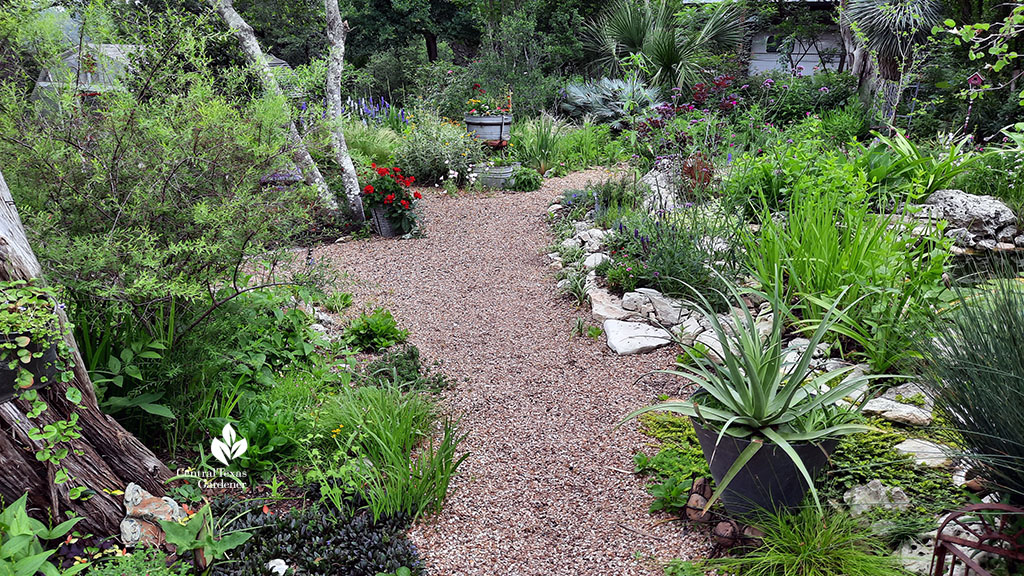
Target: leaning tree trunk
column 103, row 460
column 858, row 58
column 337, row 30
column 253, row 52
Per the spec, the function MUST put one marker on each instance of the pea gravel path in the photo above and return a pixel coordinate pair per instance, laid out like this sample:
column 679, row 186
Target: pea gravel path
column 545, row 490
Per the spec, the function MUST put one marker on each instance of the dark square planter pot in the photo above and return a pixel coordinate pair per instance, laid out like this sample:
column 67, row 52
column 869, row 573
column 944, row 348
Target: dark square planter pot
column 770, row 480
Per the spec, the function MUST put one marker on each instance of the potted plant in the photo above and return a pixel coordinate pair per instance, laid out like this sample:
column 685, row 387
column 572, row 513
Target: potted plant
column 391, row 201
column 765, row 425
column 497, row 172
column 32, row 348
column 489, row 120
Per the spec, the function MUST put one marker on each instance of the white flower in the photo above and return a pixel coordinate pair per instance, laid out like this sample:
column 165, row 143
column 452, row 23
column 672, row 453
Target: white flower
column 277, row 566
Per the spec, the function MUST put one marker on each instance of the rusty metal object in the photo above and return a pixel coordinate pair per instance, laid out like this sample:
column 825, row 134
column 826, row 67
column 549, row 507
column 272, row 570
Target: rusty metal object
column 995, row 529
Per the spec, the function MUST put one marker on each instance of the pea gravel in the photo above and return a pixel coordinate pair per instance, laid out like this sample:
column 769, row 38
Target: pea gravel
column 546, row 489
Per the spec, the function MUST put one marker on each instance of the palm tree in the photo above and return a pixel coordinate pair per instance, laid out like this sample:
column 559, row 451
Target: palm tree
column 653, row 39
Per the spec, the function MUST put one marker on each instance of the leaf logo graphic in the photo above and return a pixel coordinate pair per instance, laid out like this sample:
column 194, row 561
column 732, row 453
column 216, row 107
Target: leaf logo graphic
column 228, row 449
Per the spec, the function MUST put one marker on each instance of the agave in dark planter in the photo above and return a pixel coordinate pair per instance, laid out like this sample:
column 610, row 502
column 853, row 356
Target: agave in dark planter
column 765, row 425
column 32, row 348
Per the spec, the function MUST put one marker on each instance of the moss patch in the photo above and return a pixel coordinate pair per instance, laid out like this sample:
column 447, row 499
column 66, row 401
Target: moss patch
column 860, row 458
column 679, row 455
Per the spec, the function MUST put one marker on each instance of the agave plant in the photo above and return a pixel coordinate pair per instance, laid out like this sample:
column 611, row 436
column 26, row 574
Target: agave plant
column 609, row 101
column 753, row 393
column 651, row 35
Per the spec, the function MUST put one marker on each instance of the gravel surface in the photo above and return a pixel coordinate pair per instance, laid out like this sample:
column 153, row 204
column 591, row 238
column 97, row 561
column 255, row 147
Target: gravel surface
column 546, row 489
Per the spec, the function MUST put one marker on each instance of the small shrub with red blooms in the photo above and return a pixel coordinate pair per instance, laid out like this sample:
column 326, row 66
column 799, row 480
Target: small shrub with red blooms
column 389, row 189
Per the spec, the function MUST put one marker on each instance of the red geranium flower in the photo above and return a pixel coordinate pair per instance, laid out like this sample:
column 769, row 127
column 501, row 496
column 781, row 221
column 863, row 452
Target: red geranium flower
column 373, row 165
column 368, row 189
column 405, row 204
column 389, row 198
column 382, row 171
column 476, row 86
column 417, row 195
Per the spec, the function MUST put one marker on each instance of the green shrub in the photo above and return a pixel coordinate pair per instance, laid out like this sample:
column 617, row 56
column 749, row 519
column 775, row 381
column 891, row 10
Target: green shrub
column 591, row 145
column 845, row 124
column 374, row 332
column 337, row 301
column 371, row 143
column 674, row 251
column 438, row 149
column 385, row 427
column 404, row 370
column 788, row 98
column 144, row 561
column 575, row 204
column 998, row 173
column 357, row 418
column 22, row 538
column 526, row 180
column 809, row 544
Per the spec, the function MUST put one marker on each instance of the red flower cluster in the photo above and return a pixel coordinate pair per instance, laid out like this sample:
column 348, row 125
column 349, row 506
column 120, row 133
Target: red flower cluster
column 387, row 189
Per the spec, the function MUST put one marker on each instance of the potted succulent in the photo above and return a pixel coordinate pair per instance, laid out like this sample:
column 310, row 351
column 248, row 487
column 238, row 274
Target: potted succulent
column 32, row 348
column 489, row 120
column 765, row 425
column 390, row 201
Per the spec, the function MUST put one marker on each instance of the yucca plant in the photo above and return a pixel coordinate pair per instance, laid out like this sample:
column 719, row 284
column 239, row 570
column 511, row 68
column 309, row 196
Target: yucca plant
column 753, row 394
column 976, row 368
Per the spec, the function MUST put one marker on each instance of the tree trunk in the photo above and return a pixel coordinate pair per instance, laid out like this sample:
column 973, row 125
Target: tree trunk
column 253, row 52
column 104, row 459
column 858, row 58
column 337, row 30
column 431, row 40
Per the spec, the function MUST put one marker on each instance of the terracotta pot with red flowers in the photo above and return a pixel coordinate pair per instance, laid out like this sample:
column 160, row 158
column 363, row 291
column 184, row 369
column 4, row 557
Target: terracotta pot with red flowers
column 391, row 201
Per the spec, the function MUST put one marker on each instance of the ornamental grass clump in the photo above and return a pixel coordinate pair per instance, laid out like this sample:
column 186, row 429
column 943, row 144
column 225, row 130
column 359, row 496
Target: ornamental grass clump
column 811, row 544
column 389, row 190
column 754, row 394
column 975, row 364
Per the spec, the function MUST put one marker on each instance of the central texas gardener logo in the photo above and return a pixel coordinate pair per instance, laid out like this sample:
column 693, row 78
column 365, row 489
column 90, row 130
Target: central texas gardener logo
column 227, row 448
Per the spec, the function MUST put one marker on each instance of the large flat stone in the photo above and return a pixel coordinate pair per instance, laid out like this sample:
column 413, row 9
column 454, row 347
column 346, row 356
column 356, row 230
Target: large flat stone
column 634, row 337
column 669, row 311
column 898, row 412
column 595, row 260
column 926, row 453
column 606, row 306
